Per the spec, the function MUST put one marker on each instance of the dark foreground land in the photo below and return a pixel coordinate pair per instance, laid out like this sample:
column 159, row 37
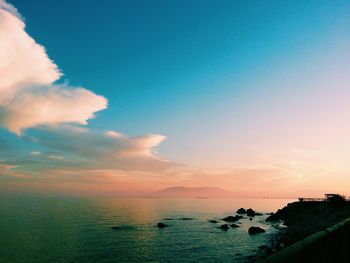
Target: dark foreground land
column 317, row 231
column 305, row 218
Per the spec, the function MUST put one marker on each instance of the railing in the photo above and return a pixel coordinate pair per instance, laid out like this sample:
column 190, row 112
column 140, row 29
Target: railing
column 302, row 199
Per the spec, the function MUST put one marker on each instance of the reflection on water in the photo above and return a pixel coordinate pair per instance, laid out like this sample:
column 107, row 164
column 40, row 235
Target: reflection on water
column 80, row 230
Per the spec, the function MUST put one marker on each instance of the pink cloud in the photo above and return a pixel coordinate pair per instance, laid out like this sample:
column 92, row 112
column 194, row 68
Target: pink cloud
column 50, row 105
column 107, row 150
column 10, row 170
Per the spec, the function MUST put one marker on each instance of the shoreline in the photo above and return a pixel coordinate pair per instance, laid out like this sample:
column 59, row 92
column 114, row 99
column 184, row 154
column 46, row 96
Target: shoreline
column 328, row 245
column 303, row 219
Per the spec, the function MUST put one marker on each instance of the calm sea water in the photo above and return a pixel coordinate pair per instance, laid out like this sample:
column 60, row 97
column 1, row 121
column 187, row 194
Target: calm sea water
column 80, row 230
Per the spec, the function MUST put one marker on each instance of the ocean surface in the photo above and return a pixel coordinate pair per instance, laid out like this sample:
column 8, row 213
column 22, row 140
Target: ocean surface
column 34, row 229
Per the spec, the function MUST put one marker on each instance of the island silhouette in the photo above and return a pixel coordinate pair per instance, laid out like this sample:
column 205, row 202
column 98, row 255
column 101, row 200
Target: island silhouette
column 194, row 192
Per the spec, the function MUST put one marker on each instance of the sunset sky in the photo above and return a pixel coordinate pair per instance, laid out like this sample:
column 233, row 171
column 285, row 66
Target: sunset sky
column 129, row 97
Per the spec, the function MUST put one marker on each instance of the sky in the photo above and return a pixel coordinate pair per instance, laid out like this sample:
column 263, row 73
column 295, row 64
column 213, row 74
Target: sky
column 129, row 97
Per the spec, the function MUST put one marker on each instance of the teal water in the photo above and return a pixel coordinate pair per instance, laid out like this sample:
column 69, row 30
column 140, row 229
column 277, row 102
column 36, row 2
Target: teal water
column 80, row 230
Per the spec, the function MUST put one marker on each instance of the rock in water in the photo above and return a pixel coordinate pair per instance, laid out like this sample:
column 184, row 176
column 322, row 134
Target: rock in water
column 213, row 221
column 232, row 218
column 234, row 226
column 255, row 230
column 123, row 227
column 250, row 212
column 241, row 211
column 224, row 227
column 272, row 217
column 161, row 225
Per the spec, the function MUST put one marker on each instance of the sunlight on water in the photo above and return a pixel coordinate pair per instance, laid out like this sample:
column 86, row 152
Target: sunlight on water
column 80, row 230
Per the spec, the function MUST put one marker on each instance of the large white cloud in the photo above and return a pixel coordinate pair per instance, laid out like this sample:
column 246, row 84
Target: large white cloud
column 28, row 95
column 50, row 105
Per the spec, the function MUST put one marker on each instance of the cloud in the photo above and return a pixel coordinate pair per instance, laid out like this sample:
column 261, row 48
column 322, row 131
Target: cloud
column 55, row 157
column 55, row 147
column 113, row 134
column 50, row 105
column 29, row 96
column 10, row 170
column 82, row 147
column 56, row 144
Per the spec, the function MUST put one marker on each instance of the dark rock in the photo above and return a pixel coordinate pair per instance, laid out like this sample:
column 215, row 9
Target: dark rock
column 280, row 246
column 258, row 214
column 241, row 211
column 269, row 250
column 213, row 221
column 234, row 226
column 251, row 258
column 232, row 218
column 250, row 212
column 255, row 230
column 307, row 217
column 250, row 218
column 161, row 225
column 186, row 218
column 224, row 227
column 124, row 227
column 336, row 200
column 272, row 217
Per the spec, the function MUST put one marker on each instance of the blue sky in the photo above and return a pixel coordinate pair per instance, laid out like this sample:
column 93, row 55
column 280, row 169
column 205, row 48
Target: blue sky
column 173, row 67
column 215, row 77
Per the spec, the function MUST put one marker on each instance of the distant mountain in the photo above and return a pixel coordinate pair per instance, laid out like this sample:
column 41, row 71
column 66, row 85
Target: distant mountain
column 193, row 192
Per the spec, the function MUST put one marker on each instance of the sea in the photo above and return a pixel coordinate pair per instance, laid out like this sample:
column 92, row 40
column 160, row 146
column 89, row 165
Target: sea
column 62, row 229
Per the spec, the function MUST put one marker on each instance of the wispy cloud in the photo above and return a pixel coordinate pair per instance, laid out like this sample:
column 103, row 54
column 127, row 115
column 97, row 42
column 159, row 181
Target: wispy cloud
column 100, row 150
column 10, row 170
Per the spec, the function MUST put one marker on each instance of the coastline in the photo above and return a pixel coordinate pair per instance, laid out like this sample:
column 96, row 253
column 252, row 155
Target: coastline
column 303, row 220
column 328, row 245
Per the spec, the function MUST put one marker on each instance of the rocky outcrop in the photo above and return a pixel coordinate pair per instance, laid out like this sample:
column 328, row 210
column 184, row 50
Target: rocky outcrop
column 250, row 212
column 255, row 230
column 224, row 227
column 272, row 218
column 241, row 211
column 161, row 225
column 123, row 227
column 306, row 218
column 232, row 218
